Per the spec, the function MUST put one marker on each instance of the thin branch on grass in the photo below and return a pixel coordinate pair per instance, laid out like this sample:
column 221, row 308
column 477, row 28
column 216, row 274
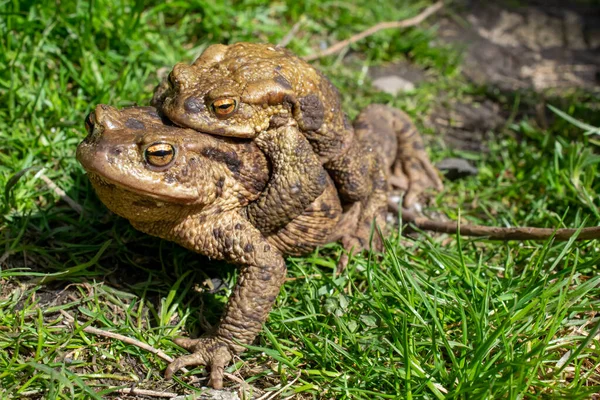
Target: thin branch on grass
column 134, row 342
column 5, row 256
column 290, row 35
column 145, row 392
column 291, row 279
column 237, row 379
column 270, row 396
column 495, row 232
column 34, row 392
column 122, row 338
column 376, row 28
column 61, row 193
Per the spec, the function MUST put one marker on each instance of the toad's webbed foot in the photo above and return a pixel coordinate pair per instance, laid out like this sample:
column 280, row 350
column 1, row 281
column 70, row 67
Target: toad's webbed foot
column 414, row 173
column 412, row 164
column 207, row 351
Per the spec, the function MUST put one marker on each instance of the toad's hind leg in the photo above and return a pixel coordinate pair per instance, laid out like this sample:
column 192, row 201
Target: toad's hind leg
column 387, row 149
column 392, row 134
column 361, row 180
column 362, row 223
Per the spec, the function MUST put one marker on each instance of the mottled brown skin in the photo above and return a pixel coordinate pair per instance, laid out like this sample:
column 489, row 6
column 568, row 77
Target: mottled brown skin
column 271, row 88
column 201, row 196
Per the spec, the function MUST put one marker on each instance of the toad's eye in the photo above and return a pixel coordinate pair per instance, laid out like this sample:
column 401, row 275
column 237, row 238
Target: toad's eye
column 224, row 107
column 159, row 154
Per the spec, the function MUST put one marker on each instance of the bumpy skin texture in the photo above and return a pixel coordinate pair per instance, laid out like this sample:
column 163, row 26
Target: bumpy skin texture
column 269, row 87
column 297, row 179
column 198, row 190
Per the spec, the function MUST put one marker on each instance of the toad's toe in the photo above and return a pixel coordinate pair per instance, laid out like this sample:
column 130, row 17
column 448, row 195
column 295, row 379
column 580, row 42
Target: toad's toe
column 207, row 351
column 420, row 174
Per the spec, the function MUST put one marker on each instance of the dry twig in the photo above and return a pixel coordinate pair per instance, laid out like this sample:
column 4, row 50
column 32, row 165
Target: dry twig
column 122, row 338
column 376, row 28
column 135, row 342
column 61, row 193
column 291, row 279
column 270, row 396
column 495, row 232
column 290, row 35
column 145, row 392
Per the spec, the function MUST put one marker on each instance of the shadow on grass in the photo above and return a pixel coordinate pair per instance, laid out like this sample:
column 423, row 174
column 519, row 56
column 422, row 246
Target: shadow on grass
column 104, row 273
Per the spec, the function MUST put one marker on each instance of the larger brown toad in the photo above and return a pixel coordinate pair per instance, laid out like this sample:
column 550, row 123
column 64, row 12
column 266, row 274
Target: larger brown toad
column 245, row 90
column 200, row 191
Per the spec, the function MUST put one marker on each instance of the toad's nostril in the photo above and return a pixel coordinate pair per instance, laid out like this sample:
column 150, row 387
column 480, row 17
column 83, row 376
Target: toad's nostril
column 90, row 121
column 193, row 105
column 117, row 151
column 172, row 79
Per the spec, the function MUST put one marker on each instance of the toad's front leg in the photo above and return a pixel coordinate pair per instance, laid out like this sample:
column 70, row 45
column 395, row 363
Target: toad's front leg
column 231, row 237
column 297, row 179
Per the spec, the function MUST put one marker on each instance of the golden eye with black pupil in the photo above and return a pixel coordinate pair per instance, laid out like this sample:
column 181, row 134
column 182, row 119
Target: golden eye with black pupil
column 224, row 107
column 159, row 154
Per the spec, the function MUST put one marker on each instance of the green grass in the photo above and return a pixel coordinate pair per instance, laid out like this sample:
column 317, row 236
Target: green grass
column 436, row 317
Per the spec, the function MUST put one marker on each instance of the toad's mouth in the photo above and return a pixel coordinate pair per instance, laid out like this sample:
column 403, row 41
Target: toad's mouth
column 101, row 181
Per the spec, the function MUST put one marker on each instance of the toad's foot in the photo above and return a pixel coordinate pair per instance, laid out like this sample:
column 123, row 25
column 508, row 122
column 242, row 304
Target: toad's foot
column 207, row 351
column 412, row 169
column 414, row 173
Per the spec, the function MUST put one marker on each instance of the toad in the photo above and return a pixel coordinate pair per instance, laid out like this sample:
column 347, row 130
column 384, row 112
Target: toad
column 245, row 90
column 202, row 192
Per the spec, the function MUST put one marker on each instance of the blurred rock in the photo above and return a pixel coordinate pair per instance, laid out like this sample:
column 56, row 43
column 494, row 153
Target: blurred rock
column 397, row 77
column 456, row 168
column 393, row 84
